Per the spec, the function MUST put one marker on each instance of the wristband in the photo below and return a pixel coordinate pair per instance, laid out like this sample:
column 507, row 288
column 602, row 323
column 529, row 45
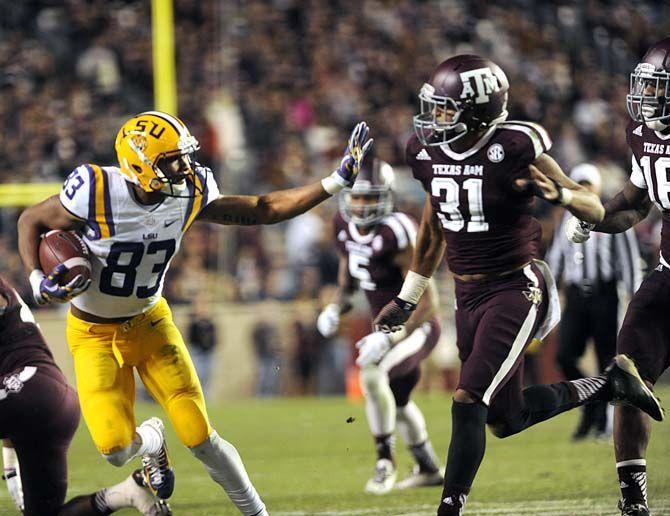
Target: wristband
column 333, row 183
column 565, row 196
column 413, row 287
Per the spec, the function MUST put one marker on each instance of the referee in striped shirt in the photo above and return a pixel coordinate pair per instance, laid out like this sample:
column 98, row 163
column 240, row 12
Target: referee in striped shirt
column 589, row 274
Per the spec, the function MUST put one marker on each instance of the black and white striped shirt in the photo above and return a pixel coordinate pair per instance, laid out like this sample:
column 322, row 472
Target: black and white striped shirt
column 603, row 258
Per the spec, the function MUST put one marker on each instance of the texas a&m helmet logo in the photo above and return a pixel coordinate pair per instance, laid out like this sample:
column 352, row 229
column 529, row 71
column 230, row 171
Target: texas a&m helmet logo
column 485, row 83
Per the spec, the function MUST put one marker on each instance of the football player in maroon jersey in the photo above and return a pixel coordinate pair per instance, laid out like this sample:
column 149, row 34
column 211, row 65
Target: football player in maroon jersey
column 645, row 334
column 375, row 246
column 39, row 414
column 481, row 174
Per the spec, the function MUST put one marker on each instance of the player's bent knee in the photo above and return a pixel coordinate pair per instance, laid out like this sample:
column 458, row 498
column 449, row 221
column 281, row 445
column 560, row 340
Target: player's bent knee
column 119, row 457
column 502, row 429
column 190, row 421
column 462, row 396
column 373, row 379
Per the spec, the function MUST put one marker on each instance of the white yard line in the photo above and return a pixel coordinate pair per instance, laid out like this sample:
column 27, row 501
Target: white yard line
column 581, row 507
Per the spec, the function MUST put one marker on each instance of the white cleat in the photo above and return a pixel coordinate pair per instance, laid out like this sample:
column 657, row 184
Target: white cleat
column 384, row 479
column 421, row 479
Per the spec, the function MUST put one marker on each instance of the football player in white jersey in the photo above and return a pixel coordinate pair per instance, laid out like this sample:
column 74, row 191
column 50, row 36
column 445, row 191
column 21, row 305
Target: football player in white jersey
column 133, row 218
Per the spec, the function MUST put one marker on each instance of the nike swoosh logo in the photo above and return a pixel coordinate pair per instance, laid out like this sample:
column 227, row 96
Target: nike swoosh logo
column 154, row 323
column 168, row 223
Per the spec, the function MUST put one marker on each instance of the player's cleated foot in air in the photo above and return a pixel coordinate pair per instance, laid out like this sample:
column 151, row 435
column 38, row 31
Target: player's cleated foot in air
column 420, row 478
column 144, row 500
column 384, row 478
column 157, row 469
column 633, row 509
column 628, row 387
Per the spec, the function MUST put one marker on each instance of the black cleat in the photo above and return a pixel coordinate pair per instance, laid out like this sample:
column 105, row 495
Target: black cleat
column 633, row 509
column 627, row 387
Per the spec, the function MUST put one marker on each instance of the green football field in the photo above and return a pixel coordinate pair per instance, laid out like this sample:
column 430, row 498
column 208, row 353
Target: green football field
column 306, row 459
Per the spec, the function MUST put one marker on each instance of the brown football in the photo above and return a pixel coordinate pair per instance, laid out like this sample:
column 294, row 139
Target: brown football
column 68, row 248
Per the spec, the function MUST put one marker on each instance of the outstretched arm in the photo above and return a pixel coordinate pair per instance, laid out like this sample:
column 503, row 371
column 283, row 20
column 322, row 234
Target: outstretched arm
column 630, row 206
column 270, row 208
column 551, row 184
column 286, row 204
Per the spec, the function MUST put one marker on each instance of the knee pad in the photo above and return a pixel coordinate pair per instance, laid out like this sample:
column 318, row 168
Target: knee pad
column 373, row 380
column 120, row 457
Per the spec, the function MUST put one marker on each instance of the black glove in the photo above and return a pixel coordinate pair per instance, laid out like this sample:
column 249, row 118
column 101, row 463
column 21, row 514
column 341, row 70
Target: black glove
column 394, row 315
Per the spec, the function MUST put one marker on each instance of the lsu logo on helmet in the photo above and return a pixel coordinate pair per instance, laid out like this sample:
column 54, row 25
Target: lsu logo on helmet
column 147, row 143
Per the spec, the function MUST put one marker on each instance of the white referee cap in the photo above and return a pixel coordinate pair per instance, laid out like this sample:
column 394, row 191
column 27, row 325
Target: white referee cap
column 586, row 172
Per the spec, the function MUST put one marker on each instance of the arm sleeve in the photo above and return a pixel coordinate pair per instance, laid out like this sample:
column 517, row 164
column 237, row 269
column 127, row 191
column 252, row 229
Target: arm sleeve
column 636, row 175
column 211, row 190
column 77, row 192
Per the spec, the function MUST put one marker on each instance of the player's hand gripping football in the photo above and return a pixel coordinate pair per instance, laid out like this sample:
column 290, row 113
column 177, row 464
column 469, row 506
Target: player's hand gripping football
column 47, row 288
column 577, row 230
column 372, row 348
column 358, row 146
column 393, row 316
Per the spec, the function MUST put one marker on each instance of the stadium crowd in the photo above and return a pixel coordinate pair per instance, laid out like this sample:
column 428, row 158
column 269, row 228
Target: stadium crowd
column 270, row 88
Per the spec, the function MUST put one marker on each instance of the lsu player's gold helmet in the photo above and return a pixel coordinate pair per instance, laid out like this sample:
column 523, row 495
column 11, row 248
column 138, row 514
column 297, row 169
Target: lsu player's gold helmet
column 155, row 151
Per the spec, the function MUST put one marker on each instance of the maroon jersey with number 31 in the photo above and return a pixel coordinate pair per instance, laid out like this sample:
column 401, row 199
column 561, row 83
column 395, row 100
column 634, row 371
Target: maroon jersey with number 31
column 487, row 223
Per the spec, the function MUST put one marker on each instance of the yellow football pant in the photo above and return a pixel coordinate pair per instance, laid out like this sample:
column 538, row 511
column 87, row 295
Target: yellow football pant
column 104, row 358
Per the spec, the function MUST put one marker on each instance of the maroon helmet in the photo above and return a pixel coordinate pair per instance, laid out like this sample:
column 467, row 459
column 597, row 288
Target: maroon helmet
column 649, row 97
column 373, row 187
column 473, row 88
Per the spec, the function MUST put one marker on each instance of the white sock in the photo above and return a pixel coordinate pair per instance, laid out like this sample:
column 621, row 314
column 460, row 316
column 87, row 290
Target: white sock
column 150, row 440
column 379, row 401
column 411, row 424
column 124, row 494
column 224, row 465
column 9, row 458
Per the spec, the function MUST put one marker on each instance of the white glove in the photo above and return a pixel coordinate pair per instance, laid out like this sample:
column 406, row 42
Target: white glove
column 372, row 348
column 328, row 321
column 36, row 277
column 577, row 230
column 12, row 475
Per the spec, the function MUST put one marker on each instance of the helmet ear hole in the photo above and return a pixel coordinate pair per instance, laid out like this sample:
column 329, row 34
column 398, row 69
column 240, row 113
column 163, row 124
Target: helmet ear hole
column 138, row 169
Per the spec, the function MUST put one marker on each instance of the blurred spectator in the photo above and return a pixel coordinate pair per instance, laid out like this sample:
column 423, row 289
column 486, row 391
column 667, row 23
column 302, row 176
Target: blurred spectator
column 265, row 338
column 271, row 88
column 202, row 340
column 307, row 351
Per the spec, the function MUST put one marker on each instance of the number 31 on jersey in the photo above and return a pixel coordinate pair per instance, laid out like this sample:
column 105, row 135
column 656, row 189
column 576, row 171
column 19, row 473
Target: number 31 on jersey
column 450, row 213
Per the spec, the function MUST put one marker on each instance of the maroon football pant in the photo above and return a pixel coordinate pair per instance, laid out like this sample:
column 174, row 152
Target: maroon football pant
column 495, row 321
column 645, row 333
column 40, row 415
